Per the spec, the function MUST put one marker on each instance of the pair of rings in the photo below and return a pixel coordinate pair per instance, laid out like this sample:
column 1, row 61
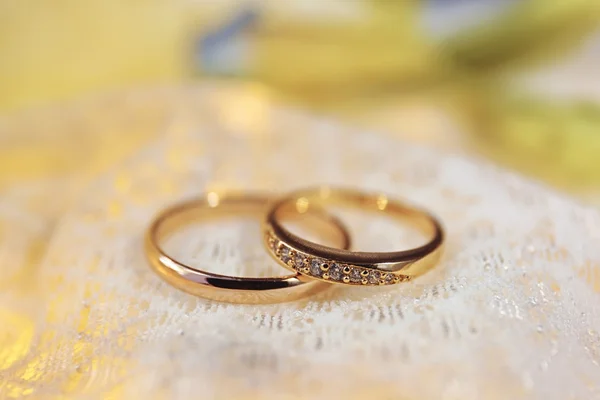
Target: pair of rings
column 315, row 266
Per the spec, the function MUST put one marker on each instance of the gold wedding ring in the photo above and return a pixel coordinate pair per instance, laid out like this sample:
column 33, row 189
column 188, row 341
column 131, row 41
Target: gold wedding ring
column 337, row 265
column 221, row 287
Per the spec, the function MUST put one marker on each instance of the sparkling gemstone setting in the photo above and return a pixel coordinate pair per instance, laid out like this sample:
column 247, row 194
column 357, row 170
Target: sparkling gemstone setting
column 285, row 254
column 374, row 277
column 355, row 275
column 299, row 261
column 315, row 267
column 329, row 269
column 335, row 272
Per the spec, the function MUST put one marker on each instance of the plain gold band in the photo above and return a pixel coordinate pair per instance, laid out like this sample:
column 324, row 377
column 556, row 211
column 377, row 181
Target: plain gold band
column 222, row 287
column 351, row 267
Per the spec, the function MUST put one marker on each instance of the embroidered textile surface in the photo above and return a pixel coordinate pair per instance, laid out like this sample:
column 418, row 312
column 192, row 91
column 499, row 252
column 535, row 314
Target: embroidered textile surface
column 511, row 312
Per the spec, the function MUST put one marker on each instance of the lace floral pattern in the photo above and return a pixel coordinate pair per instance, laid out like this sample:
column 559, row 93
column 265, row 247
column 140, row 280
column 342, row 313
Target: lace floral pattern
column 512, row 310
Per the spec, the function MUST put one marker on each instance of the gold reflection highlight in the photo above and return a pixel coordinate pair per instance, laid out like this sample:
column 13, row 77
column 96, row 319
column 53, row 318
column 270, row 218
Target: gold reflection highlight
column 16, row 334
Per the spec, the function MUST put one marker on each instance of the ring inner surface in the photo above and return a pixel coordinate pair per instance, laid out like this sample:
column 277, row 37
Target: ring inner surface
column 424, row 226
column 225, row 239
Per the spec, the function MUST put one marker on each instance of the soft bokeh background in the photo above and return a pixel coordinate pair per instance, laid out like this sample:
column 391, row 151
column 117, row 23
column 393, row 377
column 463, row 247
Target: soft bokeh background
column 513, row 80
column 516, row 82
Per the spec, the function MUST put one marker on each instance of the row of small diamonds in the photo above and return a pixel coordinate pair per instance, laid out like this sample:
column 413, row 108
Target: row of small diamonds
column 328, row 269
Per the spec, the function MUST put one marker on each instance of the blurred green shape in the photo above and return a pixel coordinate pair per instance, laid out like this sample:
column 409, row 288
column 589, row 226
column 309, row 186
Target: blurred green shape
column 531, row 30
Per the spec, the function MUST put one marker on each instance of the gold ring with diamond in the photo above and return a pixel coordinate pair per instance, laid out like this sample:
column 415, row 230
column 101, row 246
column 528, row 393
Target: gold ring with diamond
column 344, row 266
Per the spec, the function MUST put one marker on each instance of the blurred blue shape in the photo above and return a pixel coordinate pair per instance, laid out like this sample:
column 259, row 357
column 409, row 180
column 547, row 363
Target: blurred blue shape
column 226, row 49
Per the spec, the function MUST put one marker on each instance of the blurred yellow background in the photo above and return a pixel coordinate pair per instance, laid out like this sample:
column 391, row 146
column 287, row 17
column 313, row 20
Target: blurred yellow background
column 401, row 67
column 54, row 51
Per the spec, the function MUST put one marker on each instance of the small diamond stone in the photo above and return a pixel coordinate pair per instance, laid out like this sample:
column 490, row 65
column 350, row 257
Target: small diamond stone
column 315, row 267
column 273, row 243
column 335, row 272
column 374, row 277
column 284, row 254
column 299, row 261
column 389, row 278
column 355, row 275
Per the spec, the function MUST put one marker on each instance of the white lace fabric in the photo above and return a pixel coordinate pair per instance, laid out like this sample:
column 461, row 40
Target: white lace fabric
column 511, row 312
